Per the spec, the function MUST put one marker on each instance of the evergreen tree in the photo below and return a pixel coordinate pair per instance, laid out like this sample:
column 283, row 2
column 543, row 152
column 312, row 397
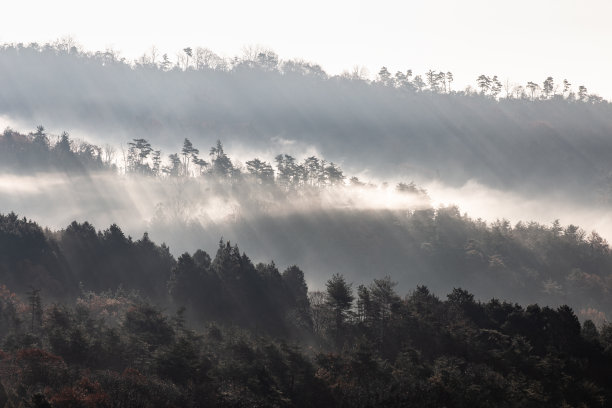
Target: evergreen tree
column 340, row 300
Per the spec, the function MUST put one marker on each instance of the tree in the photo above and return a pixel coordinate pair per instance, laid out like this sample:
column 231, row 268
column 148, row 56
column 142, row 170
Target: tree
column 383, row 301
column 188, row 52
column 566, row 87
column 441, row 81
column 261, row 170
column 153, row 51
column 548, row 87
column 293, row 278
column 165, row 64
column 399, row 79
column 519, row 92
column 188, row 152
column 221, row 164
column 364, row 306
column 508, row 89
column 148, row 324
column 36, row 310
column 313, row 168
column 267, row 60
column 408, row 188
column 340, row 300
column 40, row 138
column 334, row 174
column 138, row 152
column 355, row 182
column 206, row 59
column 589, row 331
column 156, row 162
column 496, row 86
column 384, row 77
column 433, row 80
column 593, row 98
column 449, row 79
column 201, row 163
column 419, row 83
column 288, row 172
column 63, row 146
column 402, row 80
column 185, row 280
column 108, row 154
column 582, row 93
column 175, row 166
column 484, row 83
column 533, row 87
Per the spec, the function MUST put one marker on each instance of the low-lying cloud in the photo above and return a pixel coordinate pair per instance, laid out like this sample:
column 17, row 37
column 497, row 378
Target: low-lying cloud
column 321, row 230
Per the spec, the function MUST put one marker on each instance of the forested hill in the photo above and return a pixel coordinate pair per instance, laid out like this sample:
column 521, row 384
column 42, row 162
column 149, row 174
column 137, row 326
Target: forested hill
column 303, row 213
column 528, row 263
column 236, row 334
column 543, row 136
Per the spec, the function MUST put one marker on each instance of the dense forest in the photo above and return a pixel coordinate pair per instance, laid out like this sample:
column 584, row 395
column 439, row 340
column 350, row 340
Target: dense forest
column 536, row 138
column 93, row 319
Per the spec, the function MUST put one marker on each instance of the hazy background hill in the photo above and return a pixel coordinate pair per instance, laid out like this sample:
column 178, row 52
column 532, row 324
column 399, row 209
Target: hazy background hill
column 259, row 105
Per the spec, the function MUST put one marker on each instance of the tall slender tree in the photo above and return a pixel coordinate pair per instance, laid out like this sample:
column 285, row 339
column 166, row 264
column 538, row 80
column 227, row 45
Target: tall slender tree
column 340, row 300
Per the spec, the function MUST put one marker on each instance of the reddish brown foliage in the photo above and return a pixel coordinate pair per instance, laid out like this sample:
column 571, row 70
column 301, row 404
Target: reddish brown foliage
column 37, row 355
column 84, row 393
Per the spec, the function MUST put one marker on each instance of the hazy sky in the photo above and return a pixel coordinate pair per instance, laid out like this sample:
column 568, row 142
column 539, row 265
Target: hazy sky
column 518, row 40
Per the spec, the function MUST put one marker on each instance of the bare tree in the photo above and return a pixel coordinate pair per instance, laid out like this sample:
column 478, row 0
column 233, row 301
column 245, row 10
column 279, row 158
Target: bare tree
column 321, row 313
column 67, row 43
column 508, row 89
column 108, row 152
column 449, row 79
column 188, row 52
column 205, row 58
column 359, row 73
column 154, row 52
column 519, row 92
column 533, row 87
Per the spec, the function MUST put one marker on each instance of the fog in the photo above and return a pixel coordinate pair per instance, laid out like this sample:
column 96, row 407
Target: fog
column 479, row 201
column 357, row 231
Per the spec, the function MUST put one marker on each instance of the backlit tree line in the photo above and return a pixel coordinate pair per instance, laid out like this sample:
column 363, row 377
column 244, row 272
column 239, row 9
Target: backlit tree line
column 198, row 59
column 141, row 158
column 40, row 151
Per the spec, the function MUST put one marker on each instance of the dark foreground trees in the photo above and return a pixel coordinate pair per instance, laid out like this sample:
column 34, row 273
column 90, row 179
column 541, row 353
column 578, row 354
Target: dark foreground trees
column 223, row 331
column 113, row 349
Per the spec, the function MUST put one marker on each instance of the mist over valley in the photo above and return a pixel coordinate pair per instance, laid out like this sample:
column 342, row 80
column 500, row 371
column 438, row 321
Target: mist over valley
column 253, row 231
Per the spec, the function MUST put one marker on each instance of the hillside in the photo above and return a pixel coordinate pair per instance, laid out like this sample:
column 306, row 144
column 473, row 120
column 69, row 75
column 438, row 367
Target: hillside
column 236, row 334
column 524, row 141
